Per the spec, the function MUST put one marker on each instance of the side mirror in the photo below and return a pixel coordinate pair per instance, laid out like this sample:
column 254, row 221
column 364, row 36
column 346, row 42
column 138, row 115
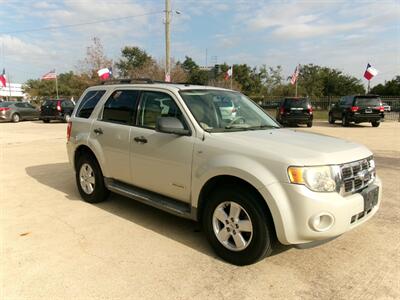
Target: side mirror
column 171, row 125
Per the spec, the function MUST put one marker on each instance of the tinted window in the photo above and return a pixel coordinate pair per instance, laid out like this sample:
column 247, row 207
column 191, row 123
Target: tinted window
column 120, row 107
column 88, row 103
column 5, row 104
column 20, row 105
column 296, row 103
column 155, row 105
column 50, row 103
column 369, row 102
column 67, row 104
column 349, row 100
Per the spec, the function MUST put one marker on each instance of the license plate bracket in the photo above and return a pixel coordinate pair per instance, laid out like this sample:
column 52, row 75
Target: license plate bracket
column 370, row 196
column 368, row 111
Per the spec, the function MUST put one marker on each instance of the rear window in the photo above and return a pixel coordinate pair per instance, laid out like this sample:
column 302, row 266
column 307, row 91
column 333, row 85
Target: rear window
column 50, row 103
column 5, row 104
column 67, row 104
column 360, row 101
column 296, row 103
column 88, row 103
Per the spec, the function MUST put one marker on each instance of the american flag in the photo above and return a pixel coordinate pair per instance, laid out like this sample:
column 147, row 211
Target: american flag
column 50, row 75
column 295, row 75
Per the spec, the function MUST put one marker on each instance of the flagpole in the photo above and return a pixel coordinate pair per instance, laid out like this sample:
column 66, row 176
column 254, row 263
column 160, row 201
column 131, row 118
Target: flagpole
column 56, row 86
column 296, row 89
column 369, row 81
column 9, row 84
column 231, row 76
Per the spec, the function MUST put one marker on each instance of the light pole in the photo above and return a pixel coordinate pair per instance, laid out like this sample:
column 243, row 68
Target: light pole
column 167, row 41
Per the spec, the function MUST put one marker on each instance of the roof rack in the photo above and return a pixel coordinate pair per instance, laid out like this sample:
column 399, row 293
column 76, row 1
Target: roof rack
column 137, row 80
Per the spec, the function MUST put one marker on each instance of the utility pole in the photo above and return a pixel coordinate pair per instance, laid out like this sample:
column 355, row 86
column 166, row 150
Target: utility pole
column 167, row 41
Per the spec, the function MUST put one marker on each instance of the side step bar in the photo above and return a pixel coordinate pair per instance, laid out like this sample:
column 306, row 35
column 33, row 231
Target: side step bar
column 164, row 203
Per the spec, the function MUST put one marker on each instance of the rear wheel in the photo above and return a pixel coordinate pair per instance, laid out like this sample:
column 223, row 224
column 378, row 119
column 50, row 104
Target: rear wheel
column 331, row 119
column 237, row 226
column 309, row 124
column 46, row 121
column 90, row 180
column 15, row 118
column 375, row 123
column 345, row 121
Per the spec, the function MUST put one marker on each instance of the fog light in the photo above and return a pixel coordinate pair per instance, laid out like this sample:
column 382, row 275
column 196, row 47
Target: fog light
column 321, row 222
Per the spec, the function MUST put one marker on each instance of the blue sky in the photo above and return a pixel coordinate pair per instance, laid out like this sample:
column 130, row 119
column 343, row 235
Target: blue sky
column 341, row 34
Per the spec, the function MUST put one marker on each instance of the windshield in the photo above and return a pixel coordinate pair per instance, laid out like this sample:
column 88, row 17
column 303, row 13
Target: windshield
column 367, row 102
column 222, row 111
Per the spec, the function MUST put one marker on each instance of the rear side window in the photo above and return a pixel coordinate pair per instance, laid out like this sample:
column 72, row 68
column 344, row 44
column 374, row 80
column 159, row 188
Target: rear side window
column 88, row 103
column 120, row 107
column 5, row 104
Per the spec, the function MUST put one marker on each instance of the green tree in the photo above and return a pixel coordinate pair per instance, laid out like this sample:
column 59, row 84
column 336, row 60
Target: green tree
column 194, row 74
column 390, row 88
column 133, row 60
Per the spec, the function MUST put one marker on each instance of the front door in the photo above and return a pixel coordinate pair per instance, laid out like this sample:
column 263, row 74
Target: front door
column 160, row 162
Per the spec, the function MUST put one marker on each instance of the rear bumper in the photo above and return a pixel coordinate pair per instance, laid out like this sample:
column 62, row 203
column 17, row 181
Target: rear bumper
column 296, row 119
column 57, row 117
column 366, row 117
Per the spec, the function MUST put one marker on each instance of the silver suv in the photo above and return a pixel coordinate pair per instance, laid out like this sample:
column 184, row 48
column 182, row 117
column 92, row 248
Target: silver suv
column 248, row 181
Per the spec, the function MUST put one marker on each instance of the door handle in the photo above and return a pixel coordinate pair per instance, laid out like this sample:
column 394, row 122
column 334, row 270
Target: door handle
column 98, row 131
column 140, row 140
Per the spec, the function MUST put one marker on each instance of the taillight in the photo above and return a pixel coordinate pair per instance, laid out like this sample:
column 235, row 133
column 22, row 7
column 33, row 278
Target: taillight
column 4, row 108
column 69, row 128
column 310, row 110
column 354, row 108
column 282, row 110
column 59, row 105
column 381, row 108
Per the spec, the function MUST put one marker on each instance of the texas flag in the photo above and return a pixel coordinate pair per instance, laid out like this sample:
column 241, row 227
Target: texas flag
column 3, row 78
column 228, row 74
column 370, row 72
column 104, row 73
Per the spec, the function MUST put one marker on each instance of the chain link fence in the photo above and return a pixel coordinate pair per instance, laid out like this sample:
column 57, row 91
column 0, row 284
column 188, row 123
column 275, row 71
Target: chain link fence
column 323, row 104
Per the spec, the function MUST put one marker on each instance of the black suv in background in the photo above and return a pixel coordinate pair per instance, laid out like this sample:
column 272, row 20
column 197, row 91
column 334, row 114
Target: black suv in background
column 56, row 110
column 358, row 109
column 293, row 111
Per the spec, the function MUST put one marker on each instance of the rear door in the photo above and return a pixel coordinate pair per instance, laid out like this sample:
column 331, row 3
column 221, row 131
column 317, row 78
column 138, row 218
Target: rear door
column 368, row 105
column 112, row 132
column 161, row 162
column 297, row 107
column 49, row 108
column 32, row 112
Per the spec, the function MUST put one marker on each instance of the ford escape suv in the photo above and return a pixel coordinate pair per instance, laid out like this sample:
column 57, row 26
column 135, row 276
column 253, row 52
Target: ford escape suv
column 246, row 179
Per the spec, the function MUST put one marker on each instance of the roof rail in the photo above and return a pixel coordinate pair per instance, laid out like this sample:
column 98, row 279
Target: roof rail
column 127, row 80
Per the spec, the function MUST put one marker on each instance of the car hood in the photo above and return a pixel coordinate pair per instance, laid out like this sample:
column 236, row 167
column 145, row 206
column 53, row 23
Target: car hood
column 293, row 147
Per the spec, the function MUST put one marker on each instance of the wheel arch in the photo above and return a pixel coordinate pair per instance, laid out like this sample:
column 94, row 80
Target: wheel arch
column 230, row 180
column 81, row 150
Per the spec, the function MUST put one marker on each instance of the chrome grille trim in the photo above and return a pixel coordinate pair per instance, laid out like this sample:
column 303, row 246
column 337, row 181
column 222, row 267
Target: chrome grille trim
column 357, row 175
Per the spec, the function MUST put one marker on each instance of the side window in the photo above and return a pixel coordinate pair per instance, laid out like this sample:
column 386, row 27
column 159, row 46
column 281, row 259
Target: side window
column 342, row 101
column 155, row 105
column 19, row 105
column 88, row 103
column 120, row 107
column 30, row 105
column 349, row 100
column 67, row 104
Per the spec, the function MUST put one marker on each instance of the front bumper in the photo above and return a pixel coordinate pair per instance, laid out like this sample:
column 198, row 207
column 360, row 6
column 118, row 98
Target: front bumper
column 294, row 207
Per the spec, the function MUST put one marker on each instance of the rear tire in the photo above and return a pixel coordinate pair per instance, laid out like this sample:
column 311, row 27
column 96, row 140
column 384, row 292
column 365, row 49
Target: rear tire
column 375, row 123
column 239, row 247
column 15, row 118
column 46, row 121
column 345, row 121
column 90, row 180
column 309, row 124
column 331, row 119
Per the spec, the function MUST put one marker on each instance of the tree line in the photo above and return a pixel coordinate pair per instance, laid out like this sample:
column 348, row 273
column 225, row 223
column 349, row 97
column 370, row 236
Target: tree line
column 314, row 81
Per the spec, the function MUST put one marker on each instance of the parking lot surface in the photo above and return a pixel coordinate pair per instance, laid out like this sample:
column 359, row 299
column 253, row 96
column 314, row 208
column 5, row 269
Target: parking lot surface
column 55, row 246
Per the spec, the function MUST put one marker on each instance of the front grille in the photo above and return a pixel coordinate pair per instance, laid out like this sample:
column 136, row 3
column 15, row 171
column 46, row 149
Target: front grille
column 357, row 175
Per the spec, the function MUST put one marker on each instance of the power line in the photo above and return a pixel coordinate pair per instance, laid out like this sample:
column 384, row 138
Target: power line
column 81, row 24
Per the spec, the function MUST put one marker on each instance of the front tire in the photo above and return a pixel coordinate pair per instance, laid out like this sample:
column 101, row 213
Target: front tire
column 237, row 226
column 90, row 180
column 331, row 119
column 345, row 121
column 46, row 121
column 15, row 118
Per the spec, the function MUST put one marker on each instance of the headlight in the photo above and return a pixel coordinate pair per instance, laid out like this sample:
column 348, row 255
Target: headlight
column 317, row 179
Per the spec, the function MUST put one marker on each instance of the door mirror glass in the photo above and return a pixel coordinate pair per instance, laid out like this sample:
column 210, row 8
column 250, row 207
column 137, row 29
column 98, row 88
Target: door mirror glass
column 171, row 125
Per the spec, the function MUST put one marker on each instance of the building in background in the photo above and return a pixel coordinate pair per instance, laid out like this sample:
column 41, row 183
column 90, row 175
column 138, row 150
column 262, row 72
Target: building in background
column 12, row 91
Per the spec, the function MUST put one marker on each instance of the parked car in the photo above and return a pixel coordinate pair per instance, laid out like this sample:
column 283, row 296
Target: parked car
column 56, row 110
column 358, row 109
column 17, row 111
column 386, row 107
column 226, row 107
column 247, row 180
column 293, row 111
